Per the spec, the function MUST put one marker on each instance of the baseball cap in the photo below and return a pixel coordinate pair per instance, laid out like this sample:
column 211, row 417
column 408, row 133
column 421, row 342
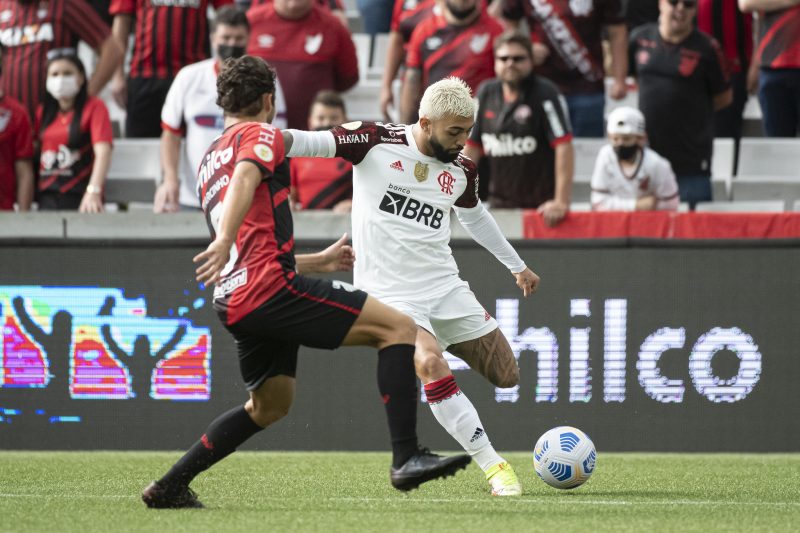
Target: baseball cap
column 626, row 121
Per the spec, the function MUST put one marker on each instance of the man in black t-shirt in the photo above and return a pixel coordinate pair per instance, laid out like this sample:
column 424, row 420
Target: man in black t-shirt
column 523, row 129
column 682, row 82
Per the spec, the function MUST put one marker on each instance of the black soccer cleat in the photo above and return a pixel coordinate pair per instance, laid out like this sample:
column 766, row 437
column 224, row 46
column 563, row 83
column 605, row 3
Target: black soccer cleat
column 156, row 496
column 425, row 466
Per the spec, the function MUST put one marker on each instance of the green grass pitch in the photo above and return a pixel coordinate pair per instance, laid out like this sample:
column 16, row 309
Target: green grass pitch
column 350, row 492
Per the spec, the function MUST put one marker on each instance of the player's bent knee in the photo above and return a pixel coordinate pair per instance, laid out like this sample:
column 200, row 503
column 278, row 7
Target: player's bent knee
column 265, row 415
column 430, row 366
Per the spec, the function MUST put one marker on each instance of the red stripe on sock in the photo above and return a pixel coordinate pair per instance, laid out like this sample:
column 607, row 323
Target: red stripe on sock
column 207, row 443
column 441, row 389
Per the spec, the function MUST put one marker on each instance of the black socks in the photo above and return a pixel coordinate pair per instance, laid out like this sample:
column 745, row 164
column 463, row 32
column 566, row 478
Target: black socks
column 397, row 383
column 222, row 437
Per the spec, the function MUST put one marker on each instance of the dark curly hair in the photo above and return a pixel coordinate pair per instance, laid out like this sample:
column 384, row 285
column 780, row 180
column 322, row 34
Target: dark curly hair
column 241, row 84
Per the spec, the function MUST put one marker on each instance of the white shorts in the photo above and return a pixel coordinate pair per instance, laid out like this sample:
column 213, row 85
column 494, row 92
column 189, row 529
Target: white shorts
column 455, row 316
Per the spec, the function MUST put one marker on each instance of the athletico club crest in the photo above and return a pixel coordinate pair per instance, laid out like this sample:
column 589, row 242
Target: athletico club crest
column 313, row 43
column 421, row 171
column 580, row 8
column 479, row 42
column 446, row 181
column 689, row 60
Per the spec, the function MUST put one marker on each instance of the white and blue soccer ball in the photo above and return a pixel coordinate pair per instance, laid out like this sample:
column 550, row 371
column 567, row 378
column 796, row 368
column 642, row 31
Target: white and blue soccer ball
column 564, row 457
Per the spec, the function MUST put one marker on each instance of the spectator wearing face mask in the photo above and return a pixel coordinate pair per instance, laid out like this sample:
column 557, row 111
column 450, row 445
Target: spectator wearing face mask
column 321, row 182
column 629, row 176
column 75, row 138
column 191, row 113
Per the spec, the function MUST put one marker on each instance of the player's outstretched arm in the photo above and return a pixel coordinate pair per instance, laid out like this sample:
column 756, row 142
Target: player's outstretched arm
column 238, row 199
column 299, row 143
column 338, row 257
column 482, row 227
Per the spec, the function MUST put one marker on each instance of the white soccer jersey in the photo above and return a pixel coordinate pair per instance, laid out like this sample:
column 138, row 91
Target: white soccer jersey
column 614, row 191
column 191, row 110
column 401, row 210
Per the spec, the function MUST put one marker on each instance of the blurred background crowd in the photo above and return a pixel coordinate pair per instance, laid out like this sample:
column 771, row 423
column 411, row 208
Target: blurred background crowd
column 644, row 90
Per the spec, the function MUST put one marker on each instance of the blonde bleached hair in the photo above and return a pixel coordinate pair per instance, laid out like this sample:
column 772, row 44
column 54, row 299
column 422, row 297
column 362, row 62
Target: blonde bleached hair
column 447, row 97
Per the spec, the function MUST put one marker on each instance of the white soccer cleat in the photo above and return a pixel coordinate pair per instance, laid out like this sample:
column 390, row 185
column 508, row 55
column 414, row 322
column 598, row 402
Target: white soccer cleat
column 503, row 480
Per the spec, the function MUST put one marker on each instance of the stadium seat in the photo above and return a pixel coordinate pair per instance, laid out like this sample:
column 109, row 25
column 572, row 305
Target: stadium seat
column 363, row 43
column 769, row 157
column 362, row 101
column 586, row 150
column 380, row 45
column 722, row 165
column 135, row 169
column 769, row 169
column 764, row 206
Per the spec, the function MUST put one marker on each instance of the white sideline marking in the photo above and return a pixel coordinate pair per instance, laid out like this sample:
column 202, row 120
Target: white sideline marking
column 537, row 501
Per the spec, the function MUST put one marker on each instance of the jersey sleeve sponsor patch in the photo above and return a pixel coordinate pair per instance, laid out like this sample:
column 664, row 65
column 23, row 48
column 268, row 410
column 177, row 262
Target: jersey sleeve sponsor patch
column 355, row 139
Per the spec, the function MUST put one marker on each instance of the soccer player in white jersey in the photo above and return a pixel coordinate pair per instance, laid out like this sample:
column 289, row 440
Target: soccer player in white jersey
column 406, row 178
column 628, row 175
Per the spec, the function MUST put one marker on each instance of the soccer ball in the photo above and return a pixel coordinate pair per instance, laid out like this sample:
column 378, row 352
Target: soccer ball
column 564, row 457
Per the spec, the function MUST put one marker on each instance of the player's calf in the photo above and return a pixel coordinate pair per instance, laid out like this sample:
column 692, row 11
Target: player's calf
column 491, row 356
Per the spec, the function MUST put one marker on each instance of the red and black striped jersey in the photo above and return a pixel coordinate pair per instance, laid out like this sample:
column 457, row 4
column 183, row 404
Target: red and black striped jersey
column 573, row 31
column 408, row 14
column 66, row 168
column 309, row 54
column 320, row 182
column 29, row 30
column 168, row 34
column 733, row 30
column 779, row 46
column 262, row 258
column 16, row 143
column 440, row 50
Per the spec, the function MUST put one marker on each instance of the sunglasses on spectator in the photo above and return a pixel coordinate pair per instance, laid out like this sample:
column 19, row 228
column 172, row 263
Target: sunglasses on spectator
column 688, row 4
column 58, row 53
column 513, row 59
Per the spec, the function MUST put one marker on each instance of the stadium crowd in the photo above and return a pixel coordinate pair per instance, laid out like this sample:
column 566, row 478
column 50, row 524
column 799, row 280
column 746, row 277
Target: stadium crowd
column 541, row 71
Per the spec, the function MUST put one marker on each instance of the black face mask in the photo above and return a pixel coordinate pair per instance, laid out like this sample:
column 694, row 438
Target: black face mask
column 227, row 51
column 461, row 14
column 627, row 153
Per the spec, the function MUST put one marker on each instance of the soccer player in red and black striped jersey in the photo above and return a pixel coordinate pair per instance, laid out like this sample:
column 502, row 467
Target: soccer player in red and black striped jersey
column 779, row 58
column 458, row 42
column 16, row 152
column 29, row 29
column 169, row 35
column 270, row 307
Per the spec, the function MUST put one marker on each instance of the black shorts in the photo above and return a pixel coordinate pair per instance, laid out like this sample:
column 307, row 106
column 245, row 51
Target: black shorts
column 146, row 98
column 309, row 312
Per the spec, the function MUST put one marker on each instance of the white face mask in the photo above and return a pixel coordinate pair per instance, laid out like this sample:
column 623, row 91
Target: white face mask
column 63, row 86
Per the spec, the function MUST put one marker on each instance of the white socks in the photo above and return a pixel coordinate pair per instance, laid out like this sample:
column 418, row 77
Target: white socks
column 458, row 416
